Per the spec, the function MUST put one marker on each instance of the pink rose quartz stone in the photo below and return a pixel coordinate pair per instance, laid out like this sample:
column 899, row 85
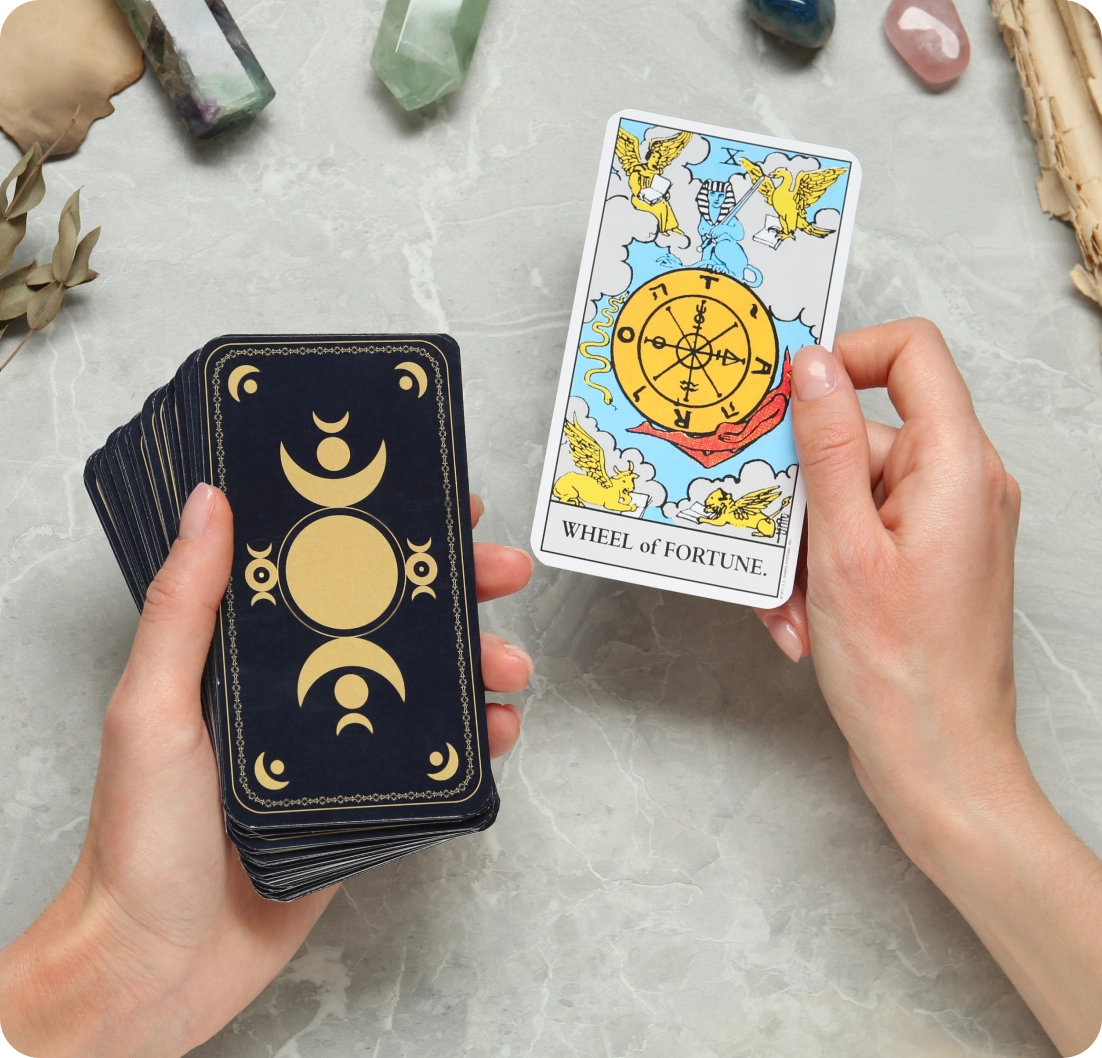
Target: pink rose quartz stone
column 929, row 36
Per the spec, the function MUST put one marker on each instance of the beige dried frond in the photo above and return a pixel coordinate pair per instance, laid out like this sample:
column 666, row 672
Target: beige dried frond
column 33, row 290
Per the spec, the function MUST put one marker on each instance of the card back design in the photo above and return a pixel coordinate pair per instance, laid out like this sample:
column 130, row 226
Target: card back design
column 350, row 667
column 712, row 257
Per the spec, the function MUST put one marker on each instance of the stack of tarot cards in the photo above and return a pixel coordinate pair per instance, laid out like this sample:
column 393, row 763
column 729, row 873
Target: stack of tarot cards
column 343, row 689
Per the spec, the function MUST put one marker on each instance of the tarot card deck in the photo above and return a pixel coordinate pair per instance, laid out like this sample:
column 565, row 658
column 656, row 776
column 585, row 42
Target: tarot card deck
column 712, row 257
column 343, row 690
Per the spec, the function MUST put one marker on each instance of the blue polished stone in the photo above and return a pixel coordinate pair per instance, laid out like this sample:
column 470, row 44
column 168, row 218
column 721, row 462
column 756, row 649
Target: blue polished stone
column 806, row 22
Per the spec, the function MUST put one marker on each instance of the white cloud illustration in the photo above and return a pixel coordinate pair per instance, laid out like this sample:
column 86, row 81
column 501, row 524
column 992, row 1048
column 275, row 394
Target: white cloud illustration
column 622, row 223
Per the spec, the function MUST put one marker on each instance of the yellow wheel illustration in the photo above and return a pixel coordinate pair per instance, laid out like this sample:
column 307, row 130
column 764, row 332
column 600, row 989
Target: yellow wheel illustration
column 694, row 349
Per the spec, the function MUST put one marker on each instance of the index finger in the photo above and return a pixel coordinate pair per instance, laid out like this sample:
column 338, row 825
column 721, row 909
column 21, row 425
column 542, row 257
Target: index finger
column 500, row 570
column 911, row 359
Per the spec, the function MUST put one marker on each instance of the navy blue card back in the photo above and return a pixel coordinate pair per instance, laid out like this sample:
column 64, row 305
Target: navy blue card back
column 348, row 637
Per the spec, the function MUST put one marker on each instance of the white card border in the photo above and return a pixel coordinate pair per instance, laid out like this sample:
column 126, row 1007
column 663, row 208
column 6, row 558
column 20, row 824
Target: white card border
column 577, row 315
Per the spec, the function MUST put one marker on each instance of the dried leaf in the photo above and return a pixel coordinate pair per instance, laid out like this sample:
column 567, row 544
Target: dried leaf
column 11, row 235
column 68, row 227
column 45, row 305
column 80, row 272
column 18, row 276
column 30, row 188
column 69, row 265
column 41, row 275
column 14, row 301
column 18, row 170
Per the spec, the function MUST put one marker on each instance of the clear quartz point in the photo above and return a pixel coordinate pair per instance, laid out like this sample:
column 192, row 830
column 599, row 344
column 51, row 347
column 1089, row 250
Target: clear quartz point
column 202, row 61
column 424, row 47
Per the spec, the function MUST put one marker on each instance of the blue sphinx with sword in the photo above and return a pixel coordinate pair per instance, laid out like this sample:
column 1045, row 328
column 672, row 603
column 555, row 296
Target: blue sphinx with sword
column 789, row 195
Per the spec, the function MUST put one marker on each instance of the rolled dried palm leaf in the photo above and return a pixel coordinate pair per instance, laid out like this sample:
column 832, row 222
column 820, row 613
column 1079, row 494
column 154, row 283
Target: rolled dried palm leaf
column 1057, row 48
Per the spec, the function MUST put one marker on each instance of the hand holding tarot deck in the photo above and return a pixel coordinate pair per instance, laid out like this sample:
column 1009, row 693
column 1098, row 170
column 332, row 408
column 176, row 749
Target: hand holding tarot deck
column 343, row 689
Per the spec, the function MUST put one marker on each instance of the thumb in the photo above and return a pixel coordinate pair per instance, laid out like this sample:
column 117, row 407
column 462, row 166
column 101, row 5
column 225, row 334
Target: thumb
column 833, row 447
column 174, row 633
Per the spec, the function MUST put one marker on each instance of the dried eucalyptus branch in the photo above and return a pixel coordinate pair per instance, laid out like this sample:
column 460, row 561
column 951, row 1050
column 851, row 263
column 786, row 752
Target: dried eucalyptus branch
column 37, row 291
column 29, row 191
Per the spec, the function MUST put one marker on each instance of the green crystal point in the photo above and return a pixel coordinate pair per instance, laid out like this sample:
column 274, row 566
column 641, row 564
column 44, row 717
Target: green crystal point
column 424, row 47
column 202, row 61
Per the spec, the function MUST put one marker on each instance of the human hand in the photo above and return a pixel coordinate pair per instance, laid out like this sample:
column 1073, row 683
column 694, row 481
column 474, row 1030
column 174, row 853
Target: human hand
column 158, row 938
column 907, row 595
column 906, row 606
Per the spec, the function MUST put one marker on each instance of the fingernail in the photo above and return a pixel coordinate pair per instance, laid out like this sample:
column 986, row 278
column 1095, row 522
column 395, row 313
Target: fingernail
column 519, row 652
column 814, row 373
column 196, row 512
column 786, row 637
column 531, row 560
column 515, row 711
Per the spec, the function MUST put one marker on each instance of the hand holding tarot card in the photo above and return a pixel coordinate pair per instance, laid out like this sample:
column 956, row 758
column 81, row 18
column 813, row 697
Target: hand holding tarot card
column 712, row 257
column 343, row 690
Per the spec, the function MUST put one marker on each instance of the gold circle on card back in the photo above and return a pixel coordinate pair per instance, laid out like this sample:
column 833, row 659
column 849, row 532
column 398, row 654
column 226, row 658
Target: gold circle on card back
column 341, row 571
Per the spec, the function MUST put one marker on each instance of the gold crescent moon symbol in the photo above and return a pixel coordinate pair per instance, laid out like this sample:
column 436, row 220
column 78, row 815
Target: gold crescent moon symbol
column 330, row 427
column 354, row 718
column 449, row 769
column 349, row 653
column 261, row 574
column 335, row 492
column 234, row 381
column 418, row 372
column 264, row 778
column 421, row 557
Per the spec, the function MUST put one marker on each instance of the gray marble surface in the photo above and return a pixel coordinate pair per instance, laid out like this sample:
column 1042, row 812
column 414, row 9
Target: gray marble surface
column 684, row 864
